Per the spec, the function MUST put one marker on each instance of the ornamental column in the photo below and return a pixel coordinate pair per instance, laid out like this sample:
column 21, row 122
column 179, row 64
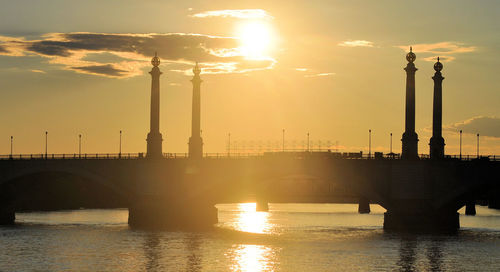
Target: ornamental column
column 154, row 139
column 437, row 142
column 195, row 141
column 410, row 137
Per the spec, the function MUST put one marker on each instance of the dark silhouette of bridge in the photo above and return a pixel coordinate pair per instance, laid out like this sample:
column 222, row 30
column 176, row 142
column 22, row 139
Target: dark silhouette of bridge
column 180, row 190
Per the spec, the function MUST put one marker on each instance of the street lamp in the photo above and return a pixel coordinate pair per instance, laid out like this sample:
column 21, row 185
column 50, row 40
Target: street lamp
column 308, row 142
column 120, row 151
column 229, row 144
column 391, row 144
column 46, row 142
column 80, row 146
column 460, row 144
column 369, row 143
column 11, row 144
column 478, row 145
column 283, row 140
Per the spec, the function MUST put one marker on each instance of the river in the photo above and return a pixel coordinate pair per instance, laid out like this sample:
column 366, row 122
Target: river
column 290, row 237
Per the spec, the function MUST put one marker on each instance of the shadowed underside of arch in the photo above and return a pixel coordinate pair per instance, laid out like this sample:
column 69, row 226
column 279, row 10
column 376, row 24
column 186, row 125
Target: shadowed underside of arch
column 56, row 190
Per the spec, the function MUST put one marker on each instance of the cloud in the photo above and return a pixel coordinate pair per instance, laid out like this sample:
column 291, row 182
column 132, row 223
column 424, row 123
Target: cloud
column 231, row 67
column 441, row 58
column 446, row 50
column 320, row 75
column 301, row 69
column 11, row 46
column 485, row 126
column 235, row 13
column 38, row 71
column 107, row 70
column 356, row 43
column 92, row 53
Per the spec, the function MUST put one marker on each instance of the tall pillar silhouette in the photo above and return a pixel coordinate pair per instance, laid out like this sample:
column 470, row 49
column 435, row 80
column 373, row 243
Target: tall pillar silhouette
column 437, row 142
column 195, row 141
column 154, row 139
column 410, row 137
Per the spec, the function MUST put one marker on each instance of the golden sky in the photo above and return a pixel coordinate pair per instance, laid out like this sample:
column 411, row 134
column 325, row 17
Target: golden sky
column 333, row 69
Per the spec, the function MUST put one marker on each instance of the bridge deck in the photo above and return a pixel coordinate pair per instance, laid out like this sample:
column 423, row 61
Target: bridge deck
column 295, row 154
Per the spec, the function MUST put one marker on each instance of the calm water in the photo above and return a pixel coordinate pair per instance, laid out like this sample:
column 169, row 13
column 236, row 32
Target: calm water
column 291, row 237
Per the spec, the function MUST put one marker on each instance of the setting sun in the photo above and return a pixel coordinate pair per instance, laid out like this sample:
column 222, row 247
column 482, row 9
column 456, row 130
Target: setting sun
column 255, row 38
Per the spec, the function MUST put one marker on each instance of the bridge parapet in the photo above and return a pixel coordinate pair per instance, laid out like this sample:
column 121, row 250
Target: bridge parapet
column 294, row 154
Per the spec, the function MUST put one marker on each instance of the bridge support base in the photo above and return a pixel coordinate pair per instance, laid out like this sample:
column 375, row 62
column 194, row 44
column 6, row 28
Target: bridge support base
column 439, row 222
column 7, row 217
column 180, row 216
column 364, row 206
column 493, row 204
column 470, row 208
column 262, row 206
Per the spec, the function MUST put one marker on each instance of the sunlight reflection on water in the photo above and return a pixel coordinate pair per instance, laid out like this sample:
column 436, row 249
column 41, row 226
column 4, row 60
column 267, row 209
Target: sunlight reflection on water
column 252, row 258
column 250, row 220
column 290, row 237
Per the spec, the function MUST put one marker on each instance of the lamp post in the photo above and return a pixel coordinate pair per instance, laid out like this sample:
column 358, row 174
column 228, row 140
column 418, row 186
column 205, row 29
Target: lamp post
column 369, row 143
column 308, row 142
column 283, row 140
column 460, row 144
column 46, row 142
column 229, row 144
column 80, row 146
column 391, row 144
column 120, row 151
column 11, row 145
column 478, row 145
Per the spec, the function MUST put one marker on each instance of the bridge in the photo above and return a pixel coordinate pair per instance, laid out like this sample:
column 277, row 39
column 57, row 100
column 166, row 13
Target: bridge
column 180, row 190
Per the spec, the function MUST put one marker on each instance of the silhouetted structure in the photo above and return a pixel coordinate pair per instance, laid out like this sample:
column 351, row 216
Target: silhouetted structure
column 195, row 141
column 410, row 137
column 437, row 142
column 154, row 139
column 175, row 193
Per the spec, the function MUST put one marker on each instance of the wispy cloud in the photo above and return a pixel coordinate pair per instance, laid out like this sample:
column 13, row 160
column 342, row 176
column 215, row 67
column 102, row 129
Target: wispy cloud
column 301, row 69
column 441, row 58
column 320, row 75
column 444, row 50
column 235, row 13
column 356, row 43
column 38, row 71
column 484, row 125
column 106, row 70
column 133, row 51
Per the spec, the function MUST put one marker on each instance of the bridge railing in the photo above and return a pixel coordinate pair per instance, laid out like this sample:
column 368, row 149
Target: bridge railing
column 294, row 154
column 72, row 156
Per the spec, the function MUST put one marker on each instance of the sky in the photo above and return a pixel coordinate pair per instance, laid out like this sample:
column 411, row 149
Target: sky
column 333, row 69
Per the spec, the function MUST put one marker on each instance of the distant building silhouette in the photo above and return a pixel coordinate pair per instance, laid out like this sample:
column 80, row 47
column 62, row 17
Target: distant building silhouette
column 154, row 139
column 195, row 141
column 437, row 142
column 410, row 137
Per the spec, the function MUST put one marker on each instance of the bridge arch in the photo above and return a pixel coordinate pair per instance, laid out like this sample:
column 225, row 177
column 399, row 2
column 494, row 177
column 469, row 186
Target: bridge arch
column 42, row 188
column 318, row 188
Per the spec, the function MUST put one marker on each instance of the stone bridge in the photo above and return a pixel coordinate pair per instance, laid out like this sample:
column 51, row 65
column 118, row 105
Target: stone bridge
column 182, row 192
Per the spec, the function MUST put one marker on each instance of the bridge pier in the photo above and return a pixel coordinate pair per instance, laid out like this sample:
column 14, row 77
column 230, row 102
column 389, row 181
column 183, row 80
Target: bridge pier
column 364, row 205
column 262, row 206
column 7, row 217
column 162, row 214
column 493, row 203
column 441, row 222
column 470, row 207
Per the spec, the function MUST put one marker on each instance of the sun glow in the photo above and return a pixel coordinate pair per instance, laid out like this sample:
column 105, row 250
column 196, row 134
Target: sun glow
column 250, row 220
column 256, row 39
